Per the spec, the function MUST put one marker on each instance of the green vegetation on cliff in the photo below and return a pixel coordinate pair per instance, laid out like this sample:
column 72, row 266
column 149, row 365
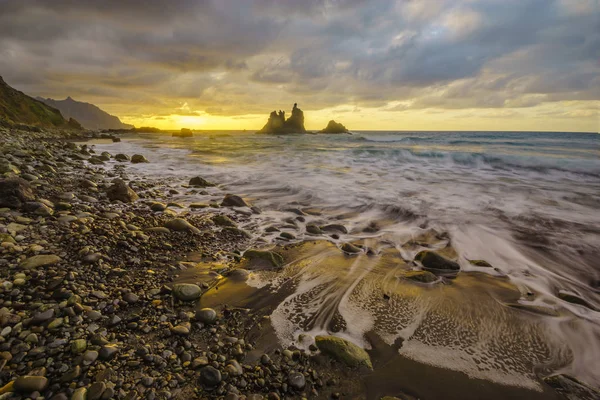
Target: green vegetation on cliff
column 16, row 108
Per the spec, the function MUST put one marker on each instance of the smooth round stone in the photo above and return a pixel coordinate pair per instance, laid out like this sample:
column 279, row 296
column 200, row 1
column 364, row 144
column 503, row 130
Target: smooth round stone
column 180, row 330
column 210, row 376
column 89, row 357
column 206, row 315
column 80, row 394
column 95, row 391
column 296, row 380
column 29, row 384
column 131, row 297
column 187, row 291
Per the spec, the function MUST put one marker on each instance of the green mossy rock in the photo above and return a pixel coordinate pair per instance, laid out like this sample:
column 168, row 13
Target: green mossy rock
column 272, row 258
column 431, row 260
column 343, row 351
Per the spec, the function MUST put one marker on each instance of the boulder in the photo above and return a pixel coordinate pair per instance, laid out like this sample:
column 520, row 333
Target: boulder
column 431, row 260
column 334, row 127
column 264, row 258
column 138, row 158
column 199, row 181
column 187, row 291
column 231, row 200
column 420, row 276
column 222, row 220
column 15, row 192
column 42, row 260
column 181, row 225
column 122, row 192
column 343, row 351
column 122, row 157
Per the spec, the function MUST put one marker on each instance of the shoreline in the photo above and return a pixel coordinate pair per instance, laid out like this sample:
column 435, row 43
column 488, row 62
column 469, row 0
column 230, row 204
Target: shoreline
column 101, row 316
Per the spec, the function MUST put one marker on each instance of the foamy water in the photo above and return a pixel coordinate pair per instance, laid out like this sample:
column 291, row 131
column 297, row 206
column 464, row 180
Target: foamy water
column 527, row 203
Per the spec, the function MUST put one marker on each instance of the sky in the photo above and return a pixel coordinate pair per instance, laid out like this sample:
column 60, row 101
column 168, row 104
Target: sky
column 372, row 65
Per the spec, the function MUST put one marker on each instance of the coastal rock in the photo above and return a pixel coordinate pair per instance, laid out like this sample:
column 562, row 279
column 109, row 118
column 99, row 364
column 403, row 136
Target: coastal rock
column 264, row 258
column 14, row 192
column 334, row 228
column 42, row 260
column 431, row 260
column 122, row 157
column 481, row 263
column 231, row 200
column 122, row 192
column 206, row 316
column 183, row 133
column 334, row 127
column 199, row 181
column 187, row 291
column 350, row 248
column 138, row 158
column 222, row 220
column 313, row 229
column 343, row 351
column 574, row 298
column 420, row 276
column 29, row 384
column 181, row 225
column 571, row 388
column 210, row 376
column 277, row 124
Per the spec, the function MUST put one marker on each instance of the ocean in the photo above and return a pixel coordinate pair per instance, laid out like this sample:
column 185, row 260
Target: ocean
column 527, row 203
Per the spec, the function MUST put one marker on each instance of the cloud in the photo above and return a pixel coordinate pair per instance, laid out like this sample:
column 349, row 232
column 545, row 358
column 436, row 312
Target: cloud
column 227, row 57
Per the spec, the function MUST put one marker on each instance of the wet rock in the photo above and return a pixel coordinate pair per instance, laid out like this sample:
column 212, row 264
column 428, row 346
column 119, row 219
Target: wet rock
column 231, row 200
column 210, row 376
column 574, row 298
column 122, row 192
column 296, row 380
column 108, row 352
column 95, row 391
column 350, row 248
column 334, row 228
column 269, row 258
column 15, row 192
column 29, row 384
column 198, row 181
column 187, row 291
column 80, row 394
column 158, row 206
column 122, row 157
column 138, row 158
column 420, row 276
column 287, row 236
column 343, row 351
column 431, row 260
column 571, row 388
column 207, row 316
column 313, row 229
column 181, row 225
column 481, row 263
column 42, row 260
column 222, row 220
column 181, row 330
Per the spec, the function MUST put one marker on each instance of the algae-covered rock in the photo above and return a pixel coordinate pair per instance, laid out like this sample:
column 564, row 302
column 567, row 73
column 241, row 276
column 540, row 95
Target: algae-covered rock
column 420, row 276
column 199, row 181
column 571, row 388
column 270, row 258
column 40, row 261
column 431, row 260
column 187, row 291
column 222, row 220
column 231, row 200
column 343, row 351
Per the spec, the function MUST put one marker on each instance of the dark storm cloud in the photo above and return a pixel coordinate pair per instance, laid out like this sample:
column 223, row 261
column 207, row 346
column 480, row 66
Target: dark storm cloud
column 239, row 56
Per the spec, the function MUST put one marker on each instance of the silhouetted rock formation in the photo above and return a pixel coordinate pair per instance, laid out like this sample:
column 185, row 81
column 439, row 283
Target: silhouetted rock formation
column 334, row 127
column 184, row 133
column 277, row 124
column 89, row 115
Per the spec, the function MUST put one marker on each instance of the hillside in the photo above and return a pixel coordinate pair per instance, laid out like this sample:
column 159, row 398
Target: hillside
column 18, row 108
column 89, row 115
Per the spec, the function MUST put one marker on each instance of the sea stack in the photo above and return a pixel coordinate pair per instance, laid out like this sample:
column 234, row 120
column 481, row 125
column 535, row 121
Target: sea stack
column 277, row 124
column 334, row 127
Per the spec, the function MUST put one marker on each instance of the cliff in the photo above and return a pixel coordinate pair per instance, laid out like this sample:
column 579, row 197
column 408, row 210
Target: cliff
column 277, row 124
column 16, row 108
column 89, row 115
